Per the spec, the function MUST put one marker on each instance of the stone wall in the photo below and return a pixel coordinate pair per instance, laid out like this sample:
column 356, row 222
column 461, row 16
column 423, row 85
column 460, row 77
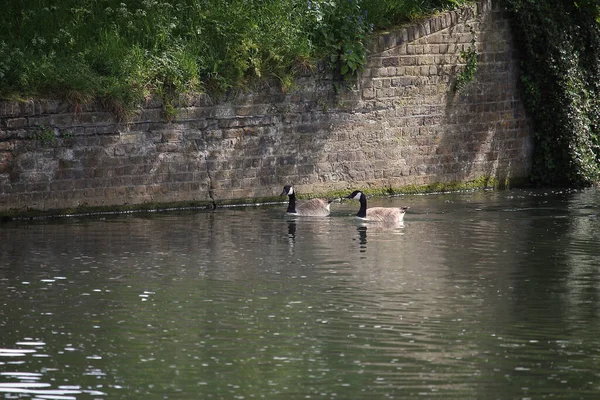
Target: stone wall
column 402, row 124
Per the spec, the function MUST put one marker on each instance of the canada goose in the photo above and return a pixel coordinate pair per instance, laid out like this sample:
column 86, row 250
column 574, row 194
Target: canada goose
column 309, row 208
column 377, row 214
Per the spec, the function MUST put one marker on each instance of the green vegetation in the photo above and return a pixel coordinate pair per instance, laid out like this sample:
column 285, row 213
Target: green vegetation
column 467, row 73
column 121, row 52
column 469, row 58
column 560, row 43
column 45, row 136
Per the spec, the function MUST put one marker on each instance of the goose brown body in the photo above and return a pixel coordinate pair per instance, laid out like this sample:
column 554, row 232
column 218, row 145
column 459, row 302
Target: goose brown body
column 392, row 215
column 308, row 208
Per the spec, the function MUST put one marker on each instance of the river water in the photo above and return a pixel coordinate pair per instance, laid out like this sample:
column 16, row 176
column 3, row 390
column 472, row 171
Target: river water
column 484, row 295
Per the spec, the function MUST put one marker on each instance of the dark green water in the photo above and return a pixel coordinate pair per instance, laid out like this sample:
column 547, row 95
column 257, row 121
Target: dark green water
column 491, row 295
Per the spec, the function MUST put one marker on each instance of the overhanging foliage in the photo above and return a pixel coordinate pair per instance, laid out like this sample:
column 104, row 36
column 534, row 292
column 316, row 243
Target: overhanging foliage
column 560, row 45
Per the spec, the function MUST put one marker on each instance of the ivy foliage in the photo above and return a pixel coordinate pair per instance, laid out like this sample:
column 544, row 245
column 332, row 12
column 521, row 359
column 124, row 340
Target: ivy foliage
column 560, row 52
column 469, row 58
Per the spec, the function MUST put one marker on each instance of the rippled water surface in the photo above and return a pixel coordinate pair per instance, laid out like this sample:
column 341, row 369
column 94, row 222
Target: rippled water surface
column 490, row 295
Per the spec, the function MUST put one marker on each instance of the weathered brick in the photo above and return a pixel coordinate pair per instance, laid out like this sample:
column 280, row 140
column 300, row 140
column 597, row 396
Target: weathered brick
column 390, row 62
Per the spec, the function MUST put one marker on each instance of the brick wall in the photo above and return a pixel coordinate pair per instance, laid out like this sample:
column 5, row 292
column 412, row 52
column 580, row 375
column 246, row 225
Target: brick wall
column 402, row 124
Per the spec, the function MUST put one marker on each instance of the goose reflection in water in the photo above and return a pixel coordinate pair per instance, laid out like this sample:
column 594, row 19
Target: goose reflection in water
column 314, row 232
column 291, row 223
column 375, row 227
column 362, row 238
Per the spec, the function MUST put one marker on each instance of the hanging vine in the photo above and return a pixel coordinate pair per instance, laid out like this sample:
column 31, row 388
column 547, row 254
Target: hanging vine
column 560, row 52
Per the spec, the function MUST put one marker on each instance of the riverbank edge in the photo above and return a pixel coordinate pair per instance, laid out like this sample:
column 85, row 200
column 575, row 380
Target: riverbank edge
column 481, row 183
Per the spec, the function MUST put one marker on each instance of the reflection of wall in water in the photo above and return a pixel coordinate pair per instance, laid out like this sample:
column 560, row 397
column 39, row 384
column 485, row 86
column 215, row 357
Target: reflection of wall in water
column 581, row 246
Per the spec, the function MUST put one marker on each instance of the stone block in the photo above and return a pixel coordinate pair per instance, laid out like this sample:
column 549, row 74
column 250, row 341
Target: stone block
column 6, row 162
column 390, row 62
column 91, row 118
column 368, row 94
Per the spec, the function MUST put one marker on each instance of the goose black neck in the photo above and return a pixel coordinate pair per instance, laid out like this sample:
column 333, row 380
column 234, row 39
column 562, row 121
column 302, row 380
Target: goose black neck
column 292, row 204
column 362, row 212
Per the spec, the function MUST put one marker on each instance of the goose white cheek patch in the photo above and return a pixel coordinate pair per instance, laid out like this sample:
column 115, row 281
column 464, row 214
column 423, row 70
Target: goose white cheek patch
column 356, row 197
column 291, row 191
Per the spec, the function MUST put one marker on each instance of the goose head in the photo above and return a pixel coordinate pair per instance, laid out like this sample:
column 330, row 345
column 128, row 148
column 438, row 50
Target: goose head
column 288, row 190
column 356, row 195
